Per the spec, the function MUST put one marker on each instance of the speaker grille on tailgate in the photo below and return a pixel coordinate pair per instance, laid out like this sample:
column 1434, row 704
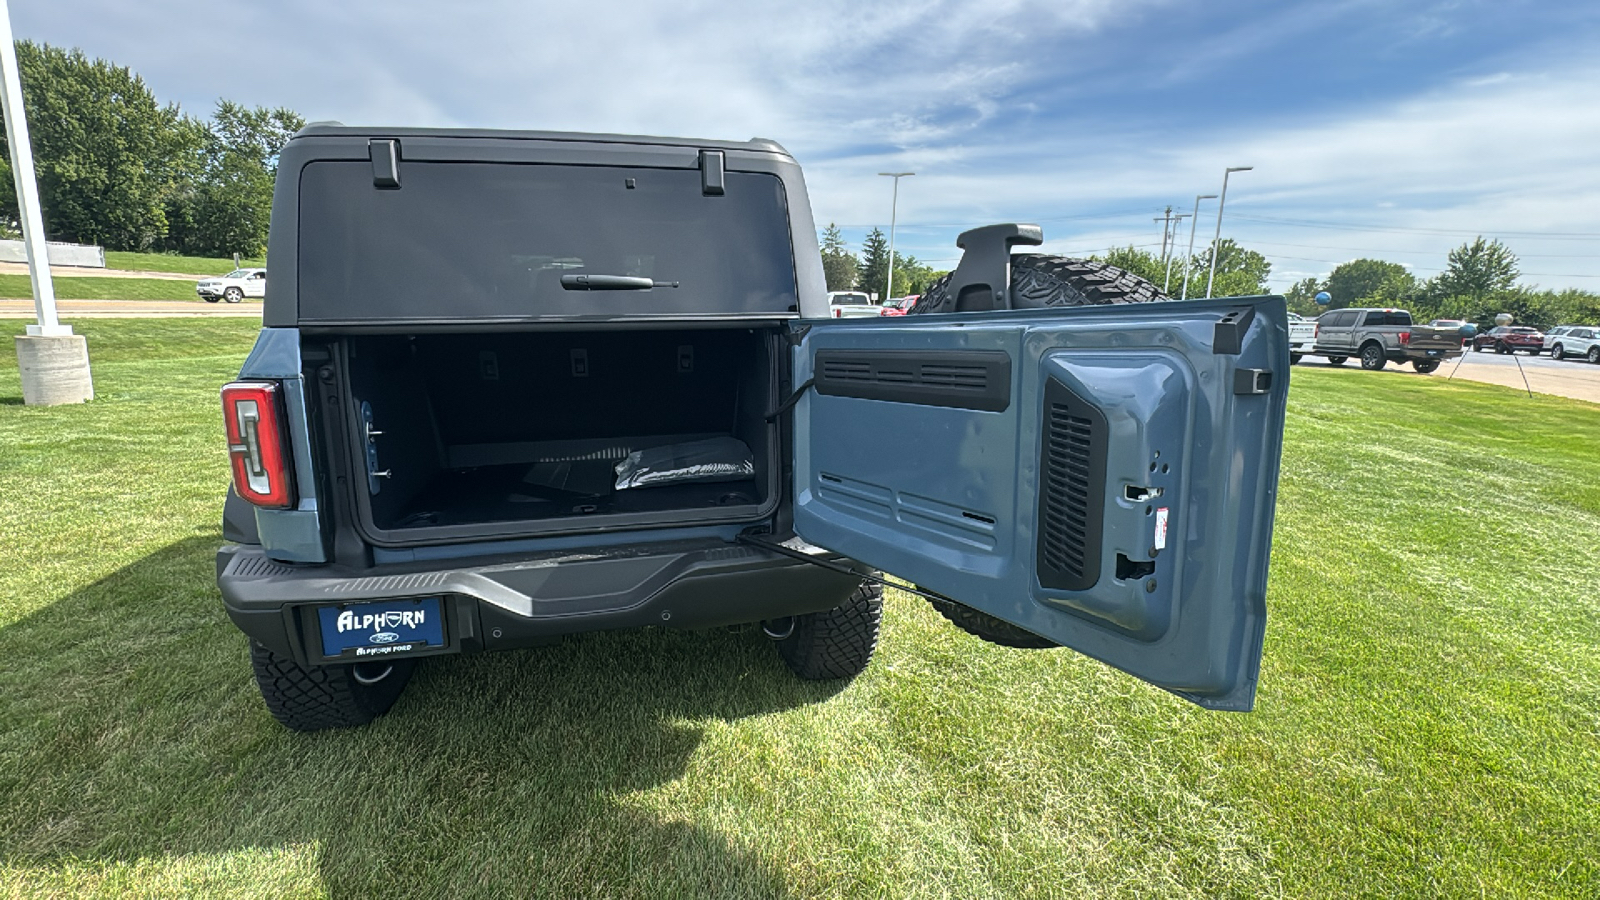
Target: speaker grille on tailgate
column 1071, row 490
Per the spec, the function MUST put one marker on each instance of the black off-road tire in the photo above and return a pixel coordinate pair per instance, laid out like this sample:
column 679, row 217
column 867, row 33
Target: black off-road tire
column 1372, row 357
column 327, row 696
column 1039, row 281
column 836, row 643
column 1337, row 360
column 983, row 625
column 1424, row 366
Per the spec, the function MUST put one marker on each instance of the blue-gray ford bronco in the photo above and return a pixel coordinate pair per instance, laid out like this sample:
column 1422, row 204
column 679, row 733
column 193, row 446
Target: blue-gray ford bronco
column 517, row 385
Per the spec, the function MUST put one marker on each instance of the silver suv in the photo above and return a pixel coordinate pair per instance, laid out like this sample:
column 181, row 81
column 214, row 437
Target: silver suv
column 1574, row 340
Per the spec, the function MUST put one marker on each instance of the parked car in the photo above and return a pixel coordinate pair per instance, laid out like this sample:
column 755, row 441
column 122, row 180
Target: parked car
column 1510, row 339
column 1576, row 340
column 899, row 307
column 1302, row 337
column 1461, row 326
column 1380, row 336
column 850, row 305
column 234, row 286
column 524, row 438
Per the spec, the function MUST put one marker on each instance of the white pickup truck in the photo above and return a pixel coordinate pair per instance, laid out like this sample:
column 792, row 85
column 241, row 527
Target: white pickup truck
column 851, row 305
column 1302, row 336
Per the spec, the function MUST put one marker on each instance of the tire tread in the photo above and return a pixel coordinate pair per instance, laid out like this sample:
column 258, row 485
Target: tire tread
column 839, row 642
column 320, row 697
column 1040, row 281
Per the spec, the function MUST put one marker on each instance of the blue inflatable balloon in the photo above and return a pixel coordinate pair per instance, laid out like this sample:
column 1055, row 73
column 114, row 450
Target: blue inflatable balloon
column 1324, row 298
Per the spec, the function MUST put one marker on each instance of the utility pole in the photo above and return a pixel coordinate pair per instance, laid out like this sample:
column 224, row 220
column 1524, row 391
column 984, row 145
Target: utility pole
column 1193, row 220
column 53, row 362
column 1177, row 221
column 894, row 209
column 1166, row 227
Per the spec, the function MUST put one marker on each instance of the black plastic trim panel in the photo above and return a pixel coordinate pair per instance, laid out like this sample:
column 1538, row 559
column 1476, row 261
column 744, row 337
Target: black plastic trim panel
column 1072, row 490
column 963, row 379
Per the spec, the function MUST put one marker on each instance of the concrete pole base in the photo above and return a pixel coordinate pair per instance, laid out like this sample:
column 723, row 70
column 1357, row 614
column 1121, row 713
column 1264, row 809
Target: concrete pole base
column 55, row 369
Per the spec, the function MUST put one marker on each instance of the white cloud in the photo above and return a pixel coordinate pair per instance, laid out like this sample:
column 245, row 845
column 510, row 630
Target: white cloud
column 969, row 95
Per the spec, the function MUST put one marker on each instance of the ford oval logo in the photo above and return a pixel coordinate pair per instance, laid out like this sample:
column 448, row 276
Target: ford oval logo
column 384, row 637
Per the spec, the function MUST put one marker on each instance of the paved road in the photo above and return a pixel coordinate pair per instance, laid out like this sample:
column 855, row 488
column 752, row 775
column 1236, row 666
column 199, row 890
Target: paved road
column 1568, row 378
column 133, row 309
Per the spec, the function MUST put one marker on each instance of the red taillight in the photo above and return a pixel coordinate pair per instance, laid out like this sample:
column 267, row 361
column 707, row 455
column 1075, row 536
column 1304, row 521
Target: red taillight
column 252, row 416
column 1405, row 337
column 838, row 313
column 1316, row 331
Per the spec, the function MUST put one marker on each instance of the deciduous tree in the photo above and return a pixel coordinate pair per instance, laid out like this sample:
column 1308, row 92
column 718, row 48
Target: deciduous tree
column 1479, row 270
column 106, row 154
column 1353, row 282
column 228, row 209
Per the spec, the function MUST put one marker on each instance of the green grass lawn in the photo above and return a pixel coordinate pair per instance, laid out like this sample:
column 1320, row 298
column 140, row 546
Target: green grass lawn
column 1428, row 722
column 97, row 288
column 182, row 265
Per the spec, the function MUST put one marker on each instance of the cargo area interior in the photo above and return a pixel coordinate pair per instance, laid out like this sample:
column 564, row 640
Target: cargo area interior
column 460, row 434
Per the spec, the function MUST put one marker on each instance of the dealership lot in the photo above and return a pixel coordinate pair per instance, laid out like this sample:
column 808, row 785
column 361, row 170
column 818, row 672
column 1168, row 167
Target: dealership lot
column 1571, row 378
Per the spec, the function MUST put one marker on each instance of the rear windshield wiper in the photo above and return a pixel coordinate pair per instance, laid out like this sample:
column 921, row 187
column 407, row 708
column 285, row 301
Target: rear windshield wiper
column 611, row 283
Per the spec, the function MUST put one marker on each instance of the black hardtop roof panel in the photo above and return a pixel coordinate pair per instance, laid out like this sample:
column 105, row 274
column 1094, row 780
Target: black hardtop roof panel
column 320, row 129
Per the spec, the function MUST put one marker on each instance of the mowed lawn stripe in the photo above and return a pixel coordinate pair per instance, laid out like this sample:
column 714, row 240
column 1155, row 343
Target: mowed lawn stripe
column 18, row 287
column 1427, row 722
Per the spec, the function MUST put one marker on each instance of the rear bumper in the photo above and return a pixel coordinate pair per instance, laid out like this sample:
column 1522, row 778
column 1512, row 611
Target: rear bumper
column 1412, row 354
column 528, row 601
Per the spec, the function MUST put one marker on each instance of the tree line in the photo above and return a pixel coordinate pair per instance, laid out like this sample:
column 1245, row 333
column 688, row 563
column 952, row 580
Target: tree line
column 118, row 168
column 869, row 272
column 1240, row 272
column 1479, row 281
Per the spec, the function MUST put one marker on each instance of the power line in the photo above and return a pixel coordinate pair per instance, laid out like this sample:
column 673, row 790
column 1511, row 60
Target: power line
column 1334, row 262
column 1393, row 250
column 1306, row 223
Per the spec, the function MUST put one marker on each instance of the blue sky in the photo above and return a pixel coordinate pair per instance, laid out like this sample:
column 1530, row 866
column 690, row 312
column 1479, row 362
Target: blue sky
column 1386, row 129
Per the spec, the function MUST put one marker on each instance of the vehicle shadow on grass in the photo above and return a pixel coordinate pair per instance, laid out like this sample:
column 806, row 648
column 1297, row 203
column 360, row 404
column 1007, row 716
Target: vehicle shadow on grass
column 132, row 735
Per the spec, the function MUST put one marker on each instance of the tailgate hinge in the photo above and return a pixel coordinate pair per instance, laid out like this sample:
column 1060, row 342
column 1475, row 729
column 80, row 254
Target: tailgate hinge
column 813, row 555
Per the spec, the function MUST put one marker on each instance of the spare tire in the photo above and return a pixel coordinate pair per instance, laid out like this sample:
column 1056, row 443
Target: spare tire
column 1039, row 281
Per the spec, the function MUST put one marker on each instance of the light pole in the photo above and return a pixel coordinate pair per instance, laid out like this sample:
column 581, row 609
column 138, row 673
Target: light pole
column 1216, row 239
column 53, row 362
column 1194, row 219
column 1177, row 223
column 894, row 209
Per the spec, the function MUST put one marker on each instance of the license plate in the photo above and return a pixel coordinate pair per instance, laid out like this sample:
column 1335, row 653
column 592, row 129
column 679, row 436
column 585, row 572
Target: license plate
column 384, row 628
